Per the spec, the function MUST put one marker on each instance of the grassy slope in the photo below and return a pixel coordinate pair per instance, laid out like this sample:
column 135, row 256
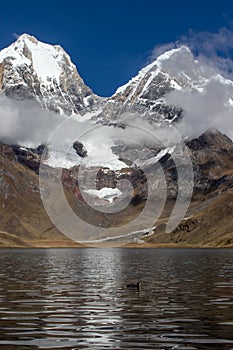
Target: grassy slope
column 23, row 220
column 210, row 225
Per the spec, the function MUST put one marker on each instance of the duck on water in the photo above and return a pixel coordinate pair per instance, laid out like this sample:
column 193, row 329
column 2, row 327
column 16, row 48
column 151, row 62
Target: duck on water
column 136, row 285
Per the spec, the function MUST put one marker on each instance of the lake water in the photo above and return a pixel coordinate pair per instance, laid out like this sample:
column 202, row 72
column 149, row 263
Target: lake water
column 77, row 299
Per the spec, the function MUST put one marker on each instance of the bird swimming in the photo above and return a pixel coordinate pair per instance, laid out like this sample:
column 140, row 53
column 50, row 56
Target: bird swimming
column 134, row 285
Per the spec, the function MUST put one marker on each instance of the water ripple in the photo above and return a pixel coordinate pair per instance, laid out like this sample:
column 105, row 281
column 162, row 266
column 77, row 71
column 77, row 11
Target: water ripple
column 77, row 299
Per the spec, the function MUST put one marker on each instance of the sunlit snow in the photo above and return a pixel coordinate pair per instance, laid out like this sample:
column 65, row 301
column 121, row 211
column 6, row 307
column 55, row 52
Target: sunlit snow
column 105, row 193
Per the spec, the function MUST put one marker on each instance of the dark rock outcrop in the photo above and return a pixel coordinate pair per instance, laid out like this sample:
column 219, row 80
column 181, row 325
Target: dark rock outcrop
column 80, row 149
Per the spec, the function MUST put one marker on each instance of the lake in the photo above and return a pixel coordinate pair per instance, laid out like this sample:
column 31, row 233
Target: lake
column 77, row 299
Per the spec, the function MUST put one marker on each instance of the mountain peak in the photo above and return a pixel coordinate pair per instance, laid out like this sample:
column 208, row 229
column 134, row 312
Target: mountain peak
column 45, row 58
column 174, row 53
column 26, row 37
column 172, row 64
column 31, row 40
column 31, row 69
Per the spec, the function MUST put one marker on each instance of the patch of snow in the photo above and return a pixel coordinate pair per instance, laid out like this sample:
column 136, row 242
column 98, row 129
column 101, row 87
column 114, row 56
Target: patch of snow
column 175, row 85
column 156, row 158
column 86, row 101
column 171, row 149
column 230, row 103
column 149, row 232
column 105, row 193
column 97, row 156
column 45, row 60
column 170, row 121
column 59, row 159
column 102, row 156
column 187, row 218
column 138, row 240
column 87, row 116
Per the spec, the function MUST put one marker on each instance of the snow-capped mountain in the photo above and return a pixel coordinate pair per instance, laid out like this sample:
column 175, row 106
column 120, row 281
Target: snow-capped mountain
column 30, row 69
column 175, row 70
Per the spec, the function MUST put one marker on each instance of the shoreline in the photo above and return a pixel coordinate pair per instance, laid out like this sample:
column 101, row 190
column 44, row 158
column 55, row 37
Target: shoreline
column 64, row 245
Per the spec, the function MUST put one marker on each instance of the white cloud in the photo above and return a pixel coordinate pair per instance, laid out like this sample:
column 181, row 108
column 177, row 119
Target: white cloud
column 203, row 110
column 216, row 48
column 25, row 123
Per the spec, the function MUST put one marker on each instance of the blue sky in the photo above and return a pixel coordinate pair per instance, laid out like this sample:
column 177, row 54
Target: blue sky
column 111, row 40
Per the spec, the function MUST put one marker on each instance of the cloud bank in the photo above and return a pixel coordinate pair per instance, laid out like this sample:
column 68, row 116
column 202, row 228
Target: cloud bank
column 216, row 49
column 213, row 107
column 25, row 123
